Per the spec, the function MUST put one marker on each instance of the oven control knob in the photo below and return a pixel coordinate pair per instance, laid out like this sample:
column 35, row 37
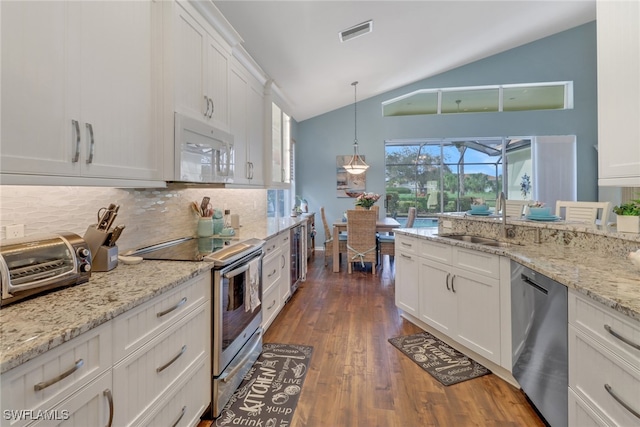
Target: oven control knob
column 85, row 268
column 83, row 252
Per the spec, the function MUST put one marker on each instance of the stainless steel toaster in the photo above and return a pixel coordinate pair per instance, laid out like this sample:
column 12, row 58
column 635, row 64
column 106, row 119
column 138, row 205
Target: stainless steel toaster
column 33, row 265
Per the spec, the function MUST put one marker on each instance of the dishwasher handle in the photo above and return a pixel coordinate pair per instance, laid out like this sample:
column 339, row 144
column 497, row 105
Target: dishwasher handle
column 533, row 284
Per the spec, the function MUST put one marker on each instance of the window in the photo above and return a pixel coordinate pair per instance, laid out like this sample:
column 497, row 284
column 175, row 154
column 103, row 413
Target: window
column 478, row 99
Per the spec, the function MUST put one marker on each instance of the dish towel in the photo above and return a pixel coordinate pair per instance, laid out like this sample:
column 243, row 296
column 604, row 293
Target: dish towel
column 252, row 287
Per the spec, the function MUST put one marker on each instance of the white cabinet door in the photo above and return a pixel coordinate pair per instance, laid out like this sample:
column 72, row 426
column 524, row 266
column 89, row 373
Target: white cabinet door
column 202, row 67
column 618, row 93
column 238, row 88
column 477, row 313
column 78, row 89
column 255, row 132
column 119, row 95
column 437, row 302
column 407, row 282
column 285, row 267
column 39, row 77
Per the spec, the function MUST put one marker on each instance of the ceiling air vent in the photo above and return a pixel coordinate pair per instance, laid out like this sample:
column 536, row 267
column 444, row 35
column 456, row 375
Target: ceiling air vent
column 356, row 31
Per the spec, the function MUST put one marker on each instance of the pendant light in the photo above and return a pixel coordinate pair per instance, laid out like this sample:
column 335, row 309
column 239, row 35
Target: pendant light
column 356, row 165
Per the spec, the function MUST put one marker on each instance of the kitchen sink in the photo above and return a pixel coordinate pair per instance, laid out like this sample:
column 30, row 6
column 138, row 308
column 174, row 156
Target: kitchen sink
column 476, row 239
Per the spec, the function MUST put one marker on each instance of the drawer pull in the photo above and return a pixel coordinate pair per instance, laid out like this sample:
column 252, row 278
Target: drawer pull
column 405, row 256
column 621, row 338
column 109, row 396
column 621, row 402
column 175, row 307
column 272, row 273
column 271, row 306
column 406, row 244
column 184, row 410
column 170, row 362
column 45, row 384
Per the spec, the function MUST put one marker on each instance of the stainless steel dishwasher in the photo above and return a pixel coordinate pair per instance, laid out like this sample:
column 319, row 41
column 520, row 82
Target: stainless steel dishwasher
column 539, row 342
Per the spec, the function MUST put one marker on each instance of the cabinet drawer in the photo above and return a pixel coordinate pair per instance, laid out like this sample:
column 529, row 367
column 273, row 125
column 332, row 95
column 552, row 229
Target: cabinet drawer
column 139, row 379
column 90, row 353
column 271, row 269
column 271, row 246
column 581, row 415
column 185, row 405
column 591, row 367
column 270, row 306
column 440, row 252
column 477, row 262
column 601, row 324
column 135, row 327
column 283, row 239
column 406, row 244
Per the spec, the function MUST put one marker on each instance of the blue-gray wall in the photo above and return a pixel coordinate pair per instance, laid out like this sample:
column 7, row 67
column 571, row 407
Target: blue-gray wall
column 570, row 55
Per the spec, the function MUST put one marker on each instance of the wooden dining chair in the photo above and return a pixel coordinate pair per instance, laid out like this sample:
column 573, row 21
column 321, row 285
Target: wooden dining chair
column 516, row 207
column 584, row 211
column 328, row 240
column 387, row 242
column 361, row 238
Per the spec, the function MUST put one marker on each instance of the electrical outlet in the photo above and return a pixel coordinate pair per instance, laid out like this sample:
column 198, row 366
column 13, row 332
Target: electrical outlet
column 15, row 231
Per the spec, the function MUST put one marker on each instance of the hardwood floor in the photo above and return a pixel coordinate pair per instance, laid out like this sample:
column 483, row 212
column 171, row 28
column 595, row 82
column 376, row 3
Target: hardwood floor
column 356, row 378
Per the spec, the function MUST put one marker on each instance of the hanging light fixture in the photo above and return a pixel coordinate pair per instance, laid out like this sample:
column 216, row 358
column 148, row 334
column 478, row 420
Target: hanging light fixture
column 356, row 165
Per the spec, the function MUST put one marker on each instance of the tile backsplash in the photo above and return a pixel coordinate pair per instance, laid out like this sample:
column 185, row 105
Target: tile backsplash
column 150, row 215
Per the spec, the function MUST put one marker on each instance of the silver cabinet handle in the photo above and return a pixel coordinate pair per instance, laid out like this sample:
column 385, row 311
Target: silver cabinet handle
column 452, row 288
column 175, row 307
column 41, row 386
column 447, row 280
column 212, row 108
column 406, row 244
column 206, row 100
column 91, row 142
column 250, row 170
column 184, row 410
column 621, row 338
column 170, row 362
column 76, row 128
column 283, row 261
column 624, row 404
column 109, row 396
column 272, row 273
column 271, row 306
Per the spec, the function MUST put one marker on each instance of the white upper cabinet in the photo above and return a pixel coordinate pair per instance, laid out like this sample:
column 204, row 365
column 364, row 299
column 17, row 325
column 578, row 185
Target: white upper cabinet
column 246, row 121
column 202, row 68
column 79, row 92
column 618, row 93
column 278, row 164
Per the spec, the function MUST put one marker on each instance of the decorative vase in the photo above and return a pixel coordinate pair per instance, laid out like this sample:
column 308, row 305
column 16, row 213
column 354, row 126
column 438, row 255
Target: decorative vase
column 628, row 224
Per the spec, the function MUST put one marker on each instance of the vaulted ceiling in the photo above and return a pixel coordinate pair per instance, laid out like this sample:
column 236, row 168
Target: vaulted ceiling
column 297, row 44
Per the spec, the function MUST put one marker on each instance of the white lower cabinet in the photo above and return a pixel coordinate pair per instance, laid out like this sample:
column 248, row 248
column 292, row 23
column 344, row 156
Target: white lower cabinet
column 276, row 277
column 580, row 414
column 49, row 379
column 131, row 370
column 604, row 377
column 454, row 290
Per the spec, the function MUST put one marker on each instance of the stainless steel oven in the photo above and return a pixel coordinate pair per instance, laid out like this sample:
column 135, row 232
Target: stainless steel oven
column 236, row 340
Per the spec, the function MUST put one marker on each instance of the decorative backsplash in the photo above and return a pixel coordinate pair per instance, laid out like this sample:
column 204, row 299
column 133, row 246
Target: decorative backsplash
column 150, row 215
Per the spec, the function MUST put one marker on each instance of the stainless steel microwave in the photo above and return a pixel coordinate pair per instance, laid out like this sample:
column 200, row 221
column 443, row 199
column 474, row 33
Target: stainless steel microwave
column 203, row 154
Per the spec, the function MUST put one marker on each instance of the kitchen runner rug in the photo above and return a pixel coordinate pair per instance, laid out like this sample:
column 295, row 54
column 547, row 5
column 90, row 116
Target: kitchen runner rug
column 444, row 363
column 269, row 392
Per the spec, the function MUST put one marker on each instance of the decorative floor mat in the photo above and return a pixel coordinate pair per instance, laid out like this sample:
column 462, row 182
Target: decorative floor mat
column 444, row 363
column 269, row 393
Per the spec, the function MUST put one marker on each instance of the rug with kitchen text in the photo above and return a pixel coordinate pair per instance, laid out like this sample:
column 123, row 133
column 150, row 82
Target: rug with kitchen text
column 269, row 393
column 444, row 363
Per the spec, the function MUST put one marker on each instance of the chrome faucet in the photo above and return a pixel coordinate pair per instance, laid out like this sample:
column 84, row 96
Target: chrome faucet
column 502, row 205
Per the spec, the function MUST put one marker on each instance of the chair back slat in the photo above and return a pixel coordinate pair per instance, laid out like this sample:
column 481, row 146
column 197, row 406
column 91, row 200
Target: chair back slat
column 584, row 211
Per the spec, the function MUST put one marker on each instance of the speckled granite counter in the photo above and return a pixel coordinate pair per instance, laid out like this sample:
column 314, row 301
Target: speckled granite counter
column 585, row 258
column 30, row 328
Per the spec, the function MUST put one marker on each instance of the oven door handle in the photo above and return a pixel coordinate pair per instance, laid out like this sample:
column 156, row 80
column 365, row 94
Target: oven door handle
column 237, row 271
column 228, row 375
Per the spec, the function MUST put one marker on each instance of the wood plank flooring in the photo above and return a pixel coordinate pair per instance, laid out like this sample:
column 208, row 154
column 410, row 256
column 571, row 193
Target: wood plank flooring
column 356, row 378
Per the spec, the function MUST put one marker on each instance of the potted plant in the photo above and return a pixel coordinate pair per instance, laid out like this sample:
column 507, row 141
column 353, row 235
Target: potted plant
column 628, row 216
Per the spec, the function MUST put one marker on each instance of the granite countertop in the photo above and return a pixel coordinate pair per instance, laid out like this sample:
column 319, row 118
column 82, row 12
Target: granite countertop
column 610, row 280
column 32, row 327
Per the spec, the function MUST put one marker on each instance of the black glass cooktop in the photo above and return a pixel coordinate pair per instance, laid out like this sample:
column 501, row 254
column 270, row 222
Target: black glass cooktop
column 185, row 249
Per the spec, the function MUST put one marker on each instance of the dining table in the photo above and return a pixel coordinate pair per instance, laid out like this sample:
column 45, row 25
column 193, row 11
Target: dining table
column 384, row 225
